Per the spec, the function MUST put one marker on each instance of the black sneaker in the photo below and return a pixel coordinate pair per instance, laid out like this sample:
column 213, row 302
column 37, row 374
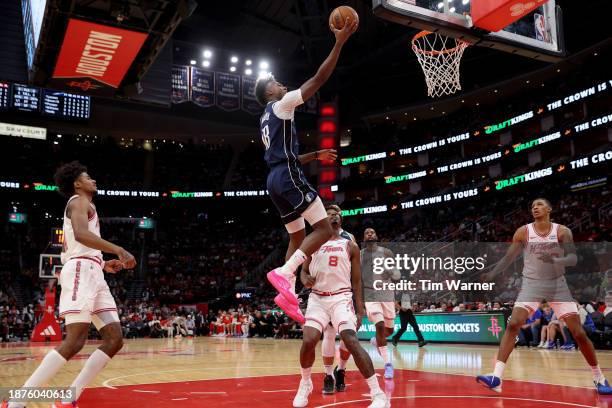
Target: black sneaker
column 339, row 376
column 328, row 384
column 394, row 341
column 422, row 343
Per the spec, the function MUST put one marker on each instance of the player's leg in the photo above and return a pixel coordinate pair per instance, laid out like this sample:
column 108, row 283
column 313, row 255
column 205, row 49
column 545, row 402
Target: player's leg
column 366, row 368
column 328, row 351
column 415, row 328
column 569, row 313
column 311, row 336
column 112, row 342
column 340, row 370
column 76, row 335
column 378, row 314
column 520, row 313
column 403, row 315
column 106, row 321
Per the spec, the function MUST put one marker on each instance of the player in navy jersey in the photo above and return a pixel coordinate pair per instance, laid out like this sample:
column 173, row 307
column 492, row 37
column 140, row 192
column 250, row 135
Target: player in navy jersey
column 295, row 199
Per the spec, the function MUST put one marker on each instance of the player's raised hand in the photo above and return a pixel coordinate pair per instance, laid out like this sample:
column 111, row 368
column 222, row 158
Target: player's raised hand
column 327, row 155
column 113, row 266
column 350, row 26
column 126, row 259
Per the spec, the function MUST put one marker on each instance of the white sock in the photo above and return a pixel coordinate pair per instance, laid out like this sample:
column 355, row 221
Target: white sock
column 50, row 365
column 329, row 370
column 499, row 369
column 597, row 374
column 374, row 342
column 373, row 384
column 306, row 373
column 384, row 354
column 289, row 268
column 94, row 364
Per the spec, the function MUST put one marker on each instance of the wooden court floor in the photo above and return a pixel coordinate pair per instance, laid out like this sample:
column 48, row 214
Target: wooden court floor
column 228, row 372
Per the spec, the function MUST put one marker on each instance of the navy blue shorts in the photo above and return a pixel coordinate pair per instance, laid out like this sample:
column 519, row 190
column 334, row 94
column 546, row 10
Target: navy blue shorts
column 290, row 192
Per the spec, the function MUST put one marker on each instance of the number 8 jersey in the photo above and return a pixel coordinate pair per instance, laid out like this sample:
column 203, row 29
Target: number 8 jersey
column 331, row 266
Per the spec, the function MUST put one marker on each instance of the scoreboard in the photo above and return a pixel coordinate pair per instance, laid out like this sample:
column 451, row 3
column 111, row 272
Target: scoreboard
column 61, row 105
column 65, row 105
column 4, row 95
column 26, row 98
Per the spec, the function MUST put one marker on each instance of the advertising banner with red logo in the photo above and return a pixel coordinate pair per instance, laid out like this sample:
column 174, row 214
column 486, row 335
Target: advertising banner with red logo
column 494, row 15
column 94, row 56
column 48, row 329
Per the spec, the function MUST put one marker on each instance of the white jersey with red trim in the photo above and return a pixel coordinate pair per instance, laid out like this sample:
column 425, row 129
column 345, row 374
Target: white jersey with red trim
column 331, row 266
column 73, row 248
column 538, row 245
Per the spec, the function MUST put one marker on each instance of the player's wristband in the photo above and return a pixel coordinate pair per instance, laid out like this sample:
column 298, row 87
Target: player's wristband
column 316, row 155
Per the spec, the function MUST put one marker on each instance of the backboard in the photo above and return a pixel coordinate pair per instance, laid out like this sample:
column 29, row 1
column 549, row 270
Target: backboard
column 537, row 35
column 49, row 265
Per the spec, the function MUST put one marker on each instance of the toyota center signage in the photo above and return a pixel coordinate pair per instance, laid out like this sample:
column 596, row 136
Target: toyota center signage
column 96, row 57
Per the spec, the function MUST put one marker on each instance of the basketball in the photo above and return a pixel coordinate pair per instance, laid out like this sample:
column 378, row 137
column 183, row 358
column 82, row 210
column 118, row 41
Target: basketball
column 338, row 16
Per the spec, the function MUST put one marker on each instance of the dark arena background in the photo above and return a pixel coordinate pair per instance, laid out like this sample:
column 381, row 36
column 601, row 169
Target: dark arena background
column 440, row 144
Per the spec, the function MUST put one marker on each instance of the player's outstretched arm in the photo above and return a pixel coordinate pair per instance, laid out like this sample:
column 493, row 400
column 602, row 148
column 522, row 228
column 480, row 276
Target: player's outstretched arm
column 518, row 240
column 356, row 280
column 310, row 87
column 323, row 155
column 78, row 210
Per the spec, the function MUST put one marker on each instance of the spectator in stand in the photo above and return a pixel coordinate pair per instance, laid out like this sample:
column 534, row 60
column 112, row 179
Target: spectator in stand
column 530, row 331
column 190, row 325
column 546, row 316
column 256, row 329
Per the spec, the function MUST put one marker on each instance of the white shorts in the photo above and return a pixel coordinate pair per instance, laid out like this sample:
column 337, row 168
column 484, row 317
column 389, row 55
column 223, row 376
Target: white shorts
column 381, row 311
column 561, row 309
column 85, row 296
column 337, row 309
column 313, row 214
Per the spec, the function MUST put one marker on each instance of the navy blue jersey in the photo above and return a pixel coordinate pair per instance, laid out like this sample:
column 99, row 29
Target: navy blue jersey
column 286, row 183
column 278, row 132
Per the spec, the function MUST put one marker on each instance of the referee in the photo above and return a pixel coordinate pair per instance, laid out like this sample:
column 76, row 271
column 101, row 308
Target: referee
column 406, row 316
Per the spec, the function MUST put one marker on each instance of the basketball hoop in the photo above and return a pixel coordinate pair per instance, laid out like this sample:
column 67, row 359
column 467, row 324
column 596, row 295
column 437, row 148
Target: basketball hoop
column 440, row 57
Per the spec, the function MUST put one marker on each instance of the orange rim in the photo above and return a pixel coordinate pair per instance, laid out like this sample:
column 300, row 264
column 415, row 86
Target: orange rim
column 415, row 46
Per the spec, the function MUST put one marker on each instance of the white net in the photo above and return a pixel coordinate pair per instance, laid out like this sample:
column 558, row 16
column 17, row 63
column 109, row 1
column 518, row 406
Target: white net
column 440, row 58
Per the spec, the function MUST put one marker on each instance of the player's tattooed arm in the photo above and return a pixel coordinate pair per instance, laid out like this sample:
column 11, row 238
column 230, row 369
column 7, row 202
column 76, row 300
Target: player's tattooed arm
column 518, row 241
column 307, row 280
column 356, row 279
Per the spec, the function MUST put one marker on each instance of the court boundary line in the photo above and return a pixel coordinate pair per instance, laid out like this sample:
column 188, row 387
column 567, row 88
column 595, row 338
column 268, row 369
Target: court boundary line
column 571, row 404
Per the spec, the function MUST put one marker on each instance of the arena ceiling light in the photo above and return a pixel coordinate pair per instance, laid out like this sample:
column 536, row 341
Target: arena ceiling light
column 263, row 74
column 248, row 71
column 192, row 62
column 232, row 69
column 264, row 65
column 206, row 63
column 234, row 59
column 248, row 62
column 207, row 54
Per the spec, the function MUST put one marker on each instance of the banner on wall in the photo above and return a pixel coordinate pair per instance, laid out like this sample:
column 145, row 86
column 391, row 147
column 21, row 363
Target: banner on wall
column 228, row 91
column 95, row 57
column 487, row 328
column 249, row 102
column 202, row 87
column 180, row 84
